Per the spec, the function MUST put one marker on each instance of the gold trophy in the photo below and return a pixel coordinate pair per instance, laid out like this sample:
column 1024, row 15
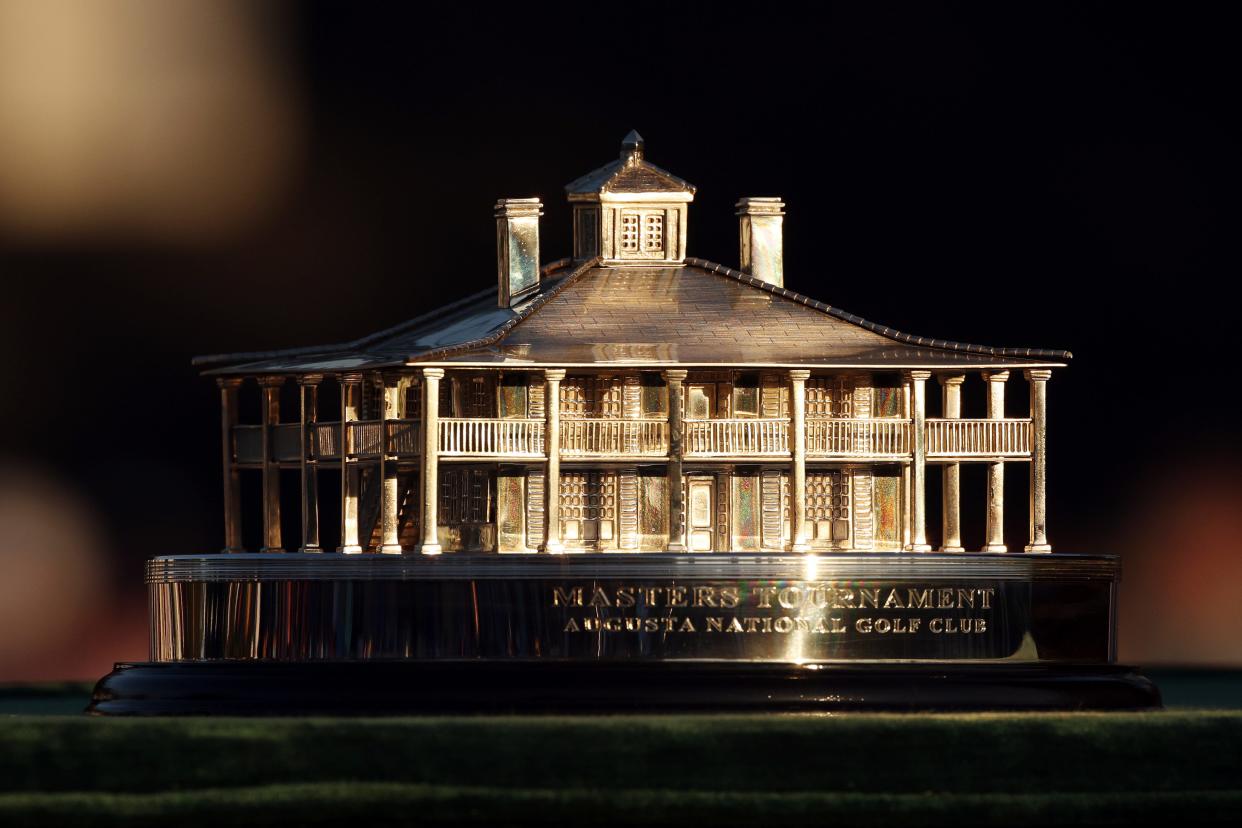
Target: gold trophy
column 628, row 480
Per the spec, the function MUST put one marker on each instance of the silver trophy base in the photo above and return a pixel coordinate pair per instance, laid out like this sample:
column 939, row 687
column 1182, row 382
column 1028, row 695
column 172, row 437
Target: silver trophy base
column 254, row 633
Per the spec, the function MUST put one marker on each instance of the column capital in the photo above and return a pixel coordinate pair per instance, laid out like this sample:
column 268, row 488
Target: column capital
column 996, row 376
column 951, row 379
column 799, row 374
column 310, row 379
column 1037, row 374
column 554, row 374
column 272, row 381
column 917, row 375
column 229, row 382
column 351, row 378
column 675, row 374
column 392, row 378
column 433, row 373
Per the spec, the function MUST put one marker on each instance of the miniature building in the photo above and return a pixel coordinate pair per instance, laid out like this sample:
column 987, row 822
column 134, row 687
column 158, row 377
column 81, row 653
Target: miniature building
column 630, row 399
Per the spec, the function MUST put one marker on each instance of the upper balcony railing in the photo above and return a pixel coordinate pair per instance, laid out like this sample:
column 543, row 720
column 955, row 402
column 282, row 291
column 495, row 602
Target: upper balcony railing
column 614, row 438
column 880, row 438
column 405, row 437
column 733, row 438
column 845, row 439
column 979, row 438
column 479, row 437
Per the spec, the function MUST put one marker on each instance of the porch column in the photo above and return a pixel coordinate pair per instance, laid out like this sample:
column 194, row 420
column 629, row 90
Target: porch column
column 918, row 469
column 232, row 476
column 390, row 505
column 430, row 478
column 351, row 473
column 552, row 444
column 271, row 471
column 906, row 500
column 676, row 490
column 1038, row 379
column 951, row 502
column 996, row 471
column 309, row 387
column 797, row 481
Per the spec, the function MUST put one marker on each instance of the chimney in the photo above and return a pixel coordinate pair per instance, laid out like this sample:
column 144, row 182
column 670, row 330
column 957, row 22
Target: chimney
column 517, row 248
column 759, row 231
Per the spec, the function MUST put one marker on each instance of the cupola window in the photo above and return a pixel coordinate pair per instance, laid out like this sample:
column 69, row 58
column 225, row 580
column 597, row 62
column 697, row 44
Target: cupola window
column 653, row 233
column 629, row 232
column 642, row 233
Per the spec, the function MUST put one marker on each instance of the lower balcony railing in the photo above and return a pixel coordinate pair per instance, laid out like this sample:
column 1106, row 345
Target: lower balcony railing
column 979, row 438
column 731, row 438
column 603, row 438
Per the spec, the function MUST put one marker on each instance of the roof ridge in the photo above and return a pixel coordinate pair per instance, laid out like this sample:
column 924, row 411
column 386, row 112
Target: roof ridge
column 882, row 330
column 496, row 335
column 607, row 173
column 362, row 342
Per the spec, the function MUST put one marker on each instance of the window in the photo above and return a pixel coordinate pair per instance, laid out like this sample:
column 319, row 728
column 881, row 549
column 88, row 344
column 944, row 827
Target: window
column 653, row 233
column 591, row 397
column 465, row 496
column 829, row 398
column 414, row 400
column 587, row 220
column 746, row 395
column 629, row 232
column 641, row 234
column 481, row 393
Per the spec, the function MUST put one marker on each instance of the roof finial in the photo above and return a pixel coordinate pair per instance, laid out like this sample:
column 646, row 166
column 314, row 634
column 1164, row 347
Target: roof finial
column 632, row 146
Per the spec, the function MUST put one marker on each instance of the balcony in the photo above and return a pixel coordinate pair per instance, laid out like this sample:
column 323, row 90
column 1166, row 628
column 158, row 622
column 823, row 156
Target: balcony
column 365, row 441
column 978, row 439
column 877, row 439
column 478, row 437
column 736, row 438
column 848, row 439
column 614, row 438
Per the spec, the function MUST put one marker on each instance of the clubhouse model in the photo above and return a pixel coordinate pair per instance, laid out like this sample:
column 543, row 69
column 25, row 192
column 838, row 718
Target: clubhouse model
column 629, row 399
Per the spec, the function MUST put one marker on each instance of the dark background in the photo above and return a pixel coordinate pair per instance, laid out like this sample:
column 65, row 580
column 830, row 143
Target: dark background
column 1053, row 176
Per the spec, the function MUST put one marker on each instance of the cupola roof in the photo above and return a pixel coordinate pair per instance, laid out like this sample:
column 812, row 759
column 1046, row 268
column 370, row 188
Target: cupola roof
column 631, row 173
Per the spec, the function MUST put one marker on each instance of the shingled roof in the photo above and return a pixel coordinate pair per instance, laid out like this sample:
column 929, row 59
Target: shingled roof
column 631, row 173
column 700, row 314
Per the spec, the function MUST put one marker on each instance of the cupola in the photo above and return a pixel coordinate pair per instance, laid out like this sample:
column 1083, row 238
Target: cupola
column 630, row 212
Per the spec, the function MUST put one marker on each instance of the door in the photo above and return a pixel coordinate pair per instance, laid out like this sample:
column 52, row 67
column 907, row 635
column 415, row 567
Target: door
column 699, row 514
column 700, row 400
column 589, row 510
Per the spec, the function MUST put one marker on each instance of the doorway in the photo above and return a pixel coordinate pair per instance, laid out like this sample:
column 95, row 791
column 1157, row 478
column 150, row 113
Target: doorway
column 700, row 512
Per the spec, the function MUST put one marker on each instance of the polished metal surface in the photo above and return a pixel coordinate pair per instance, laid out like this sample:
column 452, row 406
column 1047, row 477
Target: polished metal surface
column 785, row 609
column 721, row 565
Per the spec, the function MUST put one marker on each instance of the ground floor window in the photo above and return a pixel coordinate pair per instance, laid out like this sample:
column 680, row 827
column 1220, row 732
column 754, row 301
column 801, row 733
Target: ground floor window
column 465, row 496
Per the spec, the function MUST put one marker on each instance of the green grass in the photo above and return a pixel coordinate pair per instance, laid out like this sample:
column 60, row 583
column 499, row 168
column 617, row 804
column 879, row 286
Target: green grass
column 1179, row 766
column 388, row 803
column 685, row 770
